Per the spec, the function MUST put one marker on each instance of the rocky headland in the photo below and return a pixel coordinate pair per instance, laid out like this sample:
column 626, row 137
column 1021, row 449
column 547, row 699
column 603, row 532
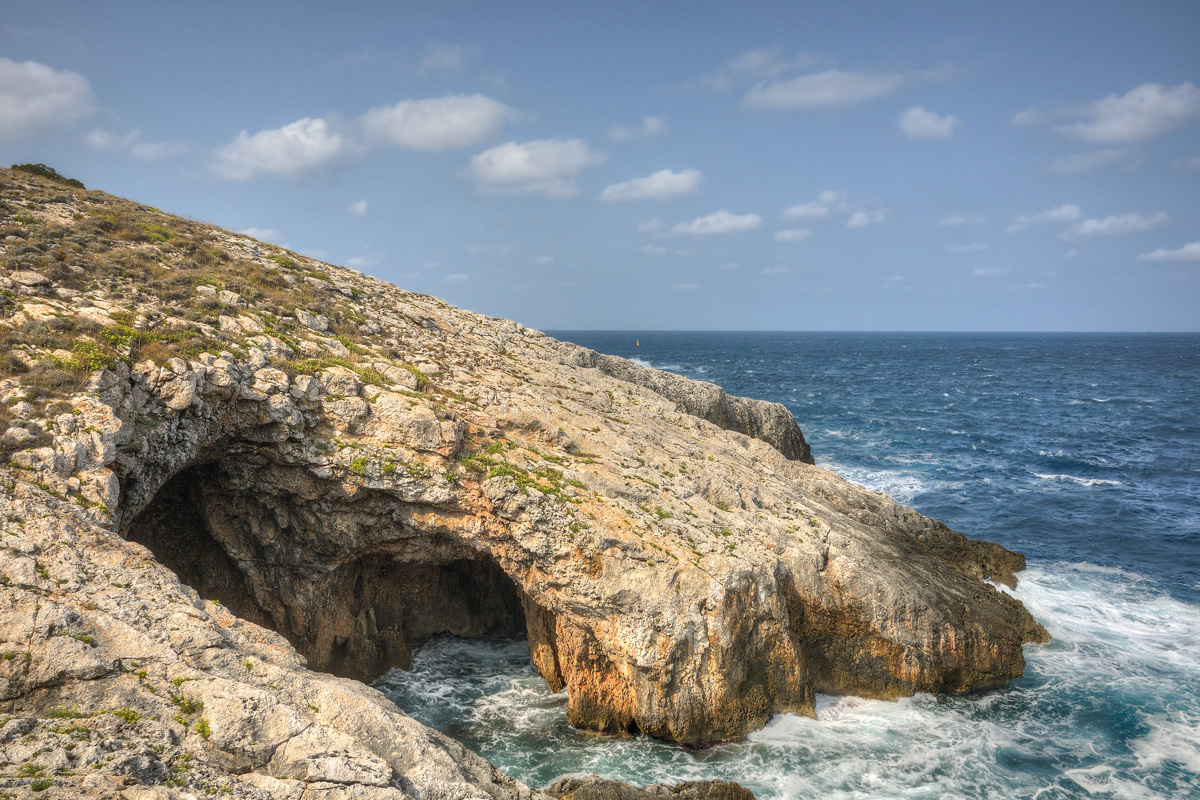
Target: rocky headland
column 237, row 482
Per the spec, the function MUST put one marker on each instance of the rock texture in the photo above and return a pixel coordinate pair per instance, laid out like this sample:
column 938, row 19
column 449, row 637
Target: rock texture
column 233, row 470
column 595, row 788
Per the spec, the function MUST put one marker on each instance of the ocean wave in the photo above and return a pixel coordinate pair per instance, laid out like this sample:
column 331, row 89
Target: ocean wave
column 1080, row 481
column 903, row 487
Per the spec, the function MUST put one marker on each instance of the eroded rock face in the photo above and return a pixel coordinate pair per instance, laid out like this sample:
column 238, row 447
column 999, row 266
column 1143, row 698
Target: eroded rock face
column 679, row 566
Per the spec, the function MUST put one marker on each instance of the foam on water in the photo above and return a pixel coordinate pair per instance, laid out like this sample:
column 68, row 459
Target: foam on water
column 903, row 487
column 1097, row 714
column 1080, row 481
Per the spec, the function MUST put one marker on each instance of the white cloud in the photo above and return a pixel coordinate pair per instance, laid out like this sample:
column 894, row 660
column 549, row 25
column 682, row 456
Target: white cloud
column 651, row 226
column 649, row 128
column 441, row 123
column 360, row 262
column 1068, row 212
column 1189, row 252
column 35, row 99
column 1114, row 225
column 958, row 221
column 662, row 185
column 131, row 143
column 990, row 272
column 755, row 65
column 792, row 235
column 1140, row 114
column 456, row 277
column 1028, row 117
column 1070, row 254
column 263, row 234
column 542, row 260
column 777, row 270
column 1192, row 162
column 546, row 166
column 917, row 123
column 827, row 202
column 447, row 57
column 298, row 147
column 718, row 222
column 976, row 247
column 861, row 219
column 654, row 250
column 830, row 88
column 359, row 209
column 1095, row 159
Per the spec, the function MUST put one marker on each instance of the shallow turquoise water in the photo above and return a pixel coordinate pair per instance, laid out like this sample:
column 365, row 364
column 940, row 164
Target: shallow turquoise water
column 1081, row 451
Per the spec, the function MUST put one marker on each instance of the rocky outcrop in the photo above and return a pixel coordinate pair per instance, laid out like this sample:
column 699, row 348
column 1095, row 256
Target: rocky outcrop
column 234, row 470
column 595, row 788
column 758, row 419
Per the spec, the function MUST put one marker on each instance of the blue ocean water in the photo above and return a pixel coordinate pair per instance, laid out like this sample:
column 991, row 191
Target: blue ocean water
column 1082, row 451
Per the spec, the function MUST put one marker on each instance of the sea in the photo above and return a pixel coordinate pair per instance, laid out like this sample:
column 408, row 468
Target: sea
column 1080, row 450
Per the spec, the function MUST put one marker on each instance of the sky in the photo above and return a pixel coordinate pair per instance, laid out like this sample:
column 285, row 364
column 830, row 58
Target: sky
column 927, row 166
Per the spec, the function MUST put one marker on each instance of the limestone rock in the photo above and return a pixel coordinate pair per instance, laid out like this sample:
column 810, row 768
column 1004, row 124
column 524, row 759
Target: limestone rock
column 209, row 529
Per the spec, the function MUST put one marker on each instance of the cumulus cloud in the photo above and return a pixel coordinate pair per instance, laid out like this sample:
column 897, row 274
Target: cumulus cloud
column 650, row 226
column 918, row 123
column 647, row 129
column 359, row 209
column 1114, row 225
column 792, row 235
column 131, row 143
column 35, row 99
column 542, row 260
column 1068, row 212
column 861, row 219
column 756, row 65
column 456, row 277
column 1095, row 159
column 546, row 166
column 1143, row 113
column 1189, row 252
column 303, row 145
column 989, row 272
column 827, row 202
column 821, row 89
column 976, row 247
column 441, row 123
column 431, row 125
column 662, row 185
column 654, row 250
column 718, row 222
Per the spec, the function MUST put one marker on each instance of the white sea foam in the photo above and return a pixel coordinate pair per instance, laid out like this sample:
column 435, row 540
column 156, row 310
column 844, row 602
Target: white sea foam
column 903, row 487
column 1080, row 481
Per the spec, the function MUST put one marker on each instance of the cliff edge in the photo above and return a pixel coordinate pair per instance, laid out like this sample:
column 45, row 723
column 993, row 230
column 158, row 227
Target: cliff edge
column 234, row 473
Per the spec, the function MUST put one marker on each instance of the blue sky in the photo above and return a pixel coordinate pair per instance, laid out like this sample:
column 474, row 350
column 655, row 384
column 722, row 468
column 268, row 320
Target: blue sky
column 658, row 165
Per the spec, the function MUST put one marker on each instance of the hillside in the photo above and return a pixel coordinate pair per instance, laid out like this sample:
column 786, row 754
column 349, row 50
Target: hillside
column 233, row 472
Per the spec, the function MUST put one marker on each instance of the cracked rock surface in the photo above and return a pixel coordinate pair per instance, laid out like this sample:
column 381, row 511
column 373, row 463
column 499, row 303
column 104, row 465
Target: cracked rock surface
column 234, row 474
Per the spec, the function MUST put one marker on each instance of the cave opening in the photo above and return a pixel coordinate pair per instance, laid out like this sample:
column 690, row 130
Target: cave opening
column 355, row 614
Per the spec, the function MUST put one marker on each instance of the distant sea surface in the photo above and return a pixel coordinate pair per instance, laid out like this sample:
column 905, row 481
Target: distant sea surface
column 1080, row 450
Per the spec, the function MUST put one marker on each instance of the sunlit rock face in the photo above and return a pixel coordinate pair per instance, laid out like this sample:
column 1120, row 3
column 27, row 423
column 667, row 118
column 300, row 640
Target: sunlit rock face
column 237, row 462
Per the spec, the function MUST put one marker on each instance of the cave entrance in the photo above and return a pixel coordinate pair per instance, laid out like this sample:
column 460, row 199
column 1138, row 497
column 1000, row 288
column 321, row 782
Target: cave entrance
column 355, row 615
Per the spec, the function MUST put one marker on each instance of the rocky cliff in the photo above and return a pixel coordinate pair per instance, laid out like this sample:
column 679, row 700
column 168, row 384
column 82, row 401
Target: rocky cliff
column 234, row 472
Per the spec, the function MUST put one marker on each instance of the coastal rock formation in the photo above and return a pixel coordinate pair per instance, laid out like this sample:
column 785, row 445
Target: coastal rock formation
column 232, row 470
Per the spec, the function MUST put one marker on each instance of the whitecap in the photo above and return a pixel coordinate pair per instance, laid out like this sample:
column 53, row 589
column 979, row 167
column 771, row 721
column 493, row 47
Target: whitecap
column 1081, row 481
column 902, row 487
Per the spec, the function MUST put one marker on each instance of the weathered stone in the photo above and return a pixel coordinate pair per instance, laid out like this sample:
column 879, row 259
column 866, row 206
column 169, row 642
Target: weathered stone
column 679, row 567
